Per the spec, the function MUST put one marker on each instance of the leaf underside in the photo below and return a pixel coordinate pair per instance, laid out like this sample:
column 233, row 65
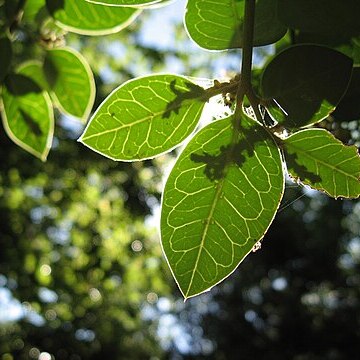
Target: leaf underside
column 71, row 81
column 145, row 117
column 27, row 114
column 87, row 18
column 219, row 25
column 219, row 200
column 318, row 159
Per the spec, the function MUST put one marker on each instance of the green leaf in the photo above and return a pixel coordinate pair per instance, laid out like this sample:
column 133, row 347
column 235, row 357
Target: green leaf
column 219, row 25
column 318, row 159
column 71, row 81
column 135, row 3
column 5, row 56
column 219, row 201
column 306, row 83
column 32, row 8
column 34, row 70
column 145, row 117
column 331, row 17
column 86, row 18
column 27, row 114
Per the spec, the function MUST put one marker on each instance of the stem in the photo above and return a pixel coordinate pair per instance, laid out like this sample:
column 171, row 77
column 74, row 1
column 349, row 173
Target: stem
column 248, row 35
column 245, row 87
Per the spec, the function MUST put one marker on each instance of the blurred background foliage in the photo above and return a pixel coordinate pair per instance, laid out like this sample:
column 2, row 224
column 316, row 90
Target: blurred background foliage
column 81, row 270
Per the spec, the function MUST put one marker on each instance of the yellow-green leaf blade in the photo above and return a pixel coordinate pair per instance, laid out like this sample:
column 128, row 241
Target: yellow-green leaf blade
column 27, row 115
column 87, row 18
column 218, row 202
column 318, row 159
column 219, row 25
column 145, row 117
column 71, row 81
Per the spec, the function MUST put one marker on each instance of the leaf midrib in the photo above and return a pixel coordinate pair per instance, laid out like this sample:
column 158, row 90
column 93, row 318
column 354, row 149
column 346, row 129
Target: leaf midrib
column 153, row 115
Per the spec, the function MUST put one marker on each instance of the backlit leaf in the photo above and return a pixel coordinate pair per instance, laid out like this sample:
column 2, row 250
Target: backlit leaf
column 145, row 117
column 219, row 201
column 27, row 114
column 71, row 81
column 306, row 82
column 87, row 18
column 318, row 159
column 219, row 25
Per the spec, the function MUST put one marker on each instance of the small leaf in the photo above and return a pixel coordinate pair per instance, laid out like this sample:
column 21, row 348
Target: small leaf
column 27, row 114
column 119, row 3
column 318, row 159
column 145, row 117
column 330, row 17
column 87, row 18
column 71, row 81
column 306, row 82
column 5, row 56
column 219, row 201
column 219, row 25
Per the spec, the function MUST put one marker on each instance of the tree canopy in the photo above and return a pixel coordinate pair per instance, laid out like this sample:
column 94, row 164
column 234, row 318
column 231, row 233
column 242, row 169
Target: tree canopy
column 275, row 133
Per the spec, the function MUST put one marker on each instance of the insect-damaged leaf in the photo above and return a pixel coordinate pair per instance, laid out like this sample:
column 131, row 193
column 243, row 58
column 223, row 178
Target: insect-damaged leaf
column 318, row 159
column 219, row 200
column 145, row 117
column 219, row 25
column 306, row 82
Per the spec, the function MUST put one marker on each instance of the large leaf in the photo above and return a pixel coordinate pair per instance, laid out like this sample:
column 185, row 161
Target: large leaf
column 145, row 117
column 219, row 25
column 349, row 107
column 86, row 18
column 219, row 201
column 71, row 81
column 330, row 17
column 306, row 82
column 135, row 3
column 27, row 114
column 5, row 56
column 318, row 159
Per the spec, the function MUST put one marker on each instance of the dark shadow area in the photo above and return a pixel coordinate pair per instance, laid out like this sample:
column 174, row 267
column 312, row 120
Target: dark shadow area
column 230, row 154
column 194, row 92
column 300, row 170
column 54, row 5
column 302, row 80
column 31, row 123
column 349, row 106
column 51, row 72
column 19, row 85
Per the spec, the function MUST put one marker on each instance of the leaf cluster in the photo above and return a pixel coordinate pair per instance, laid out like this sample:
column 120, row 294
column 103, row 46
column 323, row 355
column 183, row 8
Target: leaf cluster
column 226, row 186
